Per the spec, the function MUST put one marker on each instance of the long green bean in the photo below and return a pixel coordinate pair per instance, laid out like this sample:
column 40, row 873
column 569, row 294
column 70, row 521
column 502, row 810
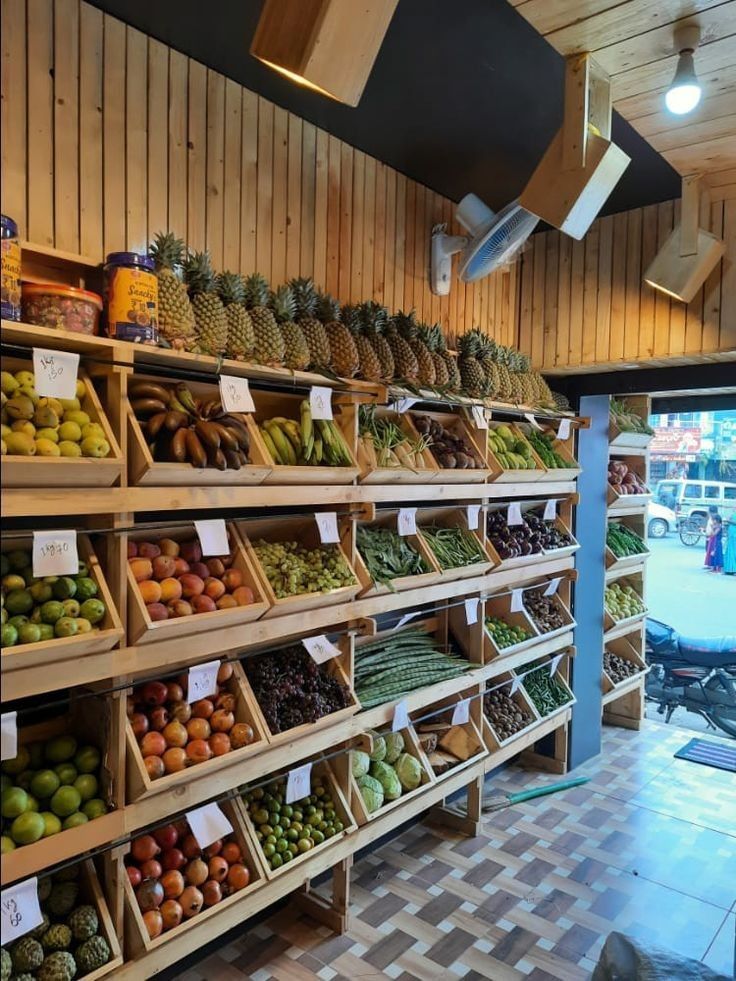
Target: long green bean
column 546, row 693
column 453, row 547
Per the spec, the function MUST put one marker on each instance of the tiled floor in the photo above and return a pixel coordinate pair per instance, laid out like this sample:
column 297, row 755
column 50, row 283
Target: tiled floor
column 648, row 847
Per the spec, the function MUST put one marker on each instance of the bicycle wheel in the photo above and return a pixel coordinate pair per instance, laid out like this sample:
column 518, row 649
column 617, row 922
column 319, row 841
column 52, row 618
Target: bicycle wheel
column 691, row 531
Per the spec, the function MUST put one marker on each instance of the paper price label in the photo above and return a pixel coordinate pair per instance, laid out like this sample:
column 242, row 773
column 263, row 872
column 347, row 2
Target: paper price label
column 473, row 514
column 552, row 586
column 55, row 373
column 513, row 515
column 235, row 394
column 550, row 510
column 320, row 402
column 515, row 686
column 299, row 783
column 406, row 618
column 461, row 712
column 55, row 553
column 563, row 431
column 554, row 665
column 327, row 524
column 19, row 909
column 407, row 521
column 529, row 416
column 8, row 735
column 212, row 534
column 320, row 648
column 202, row 681
column 402, row 405
column 401, row 716
column 471, row 610
column 208, row 824
column 517, row 600
column 479, row 417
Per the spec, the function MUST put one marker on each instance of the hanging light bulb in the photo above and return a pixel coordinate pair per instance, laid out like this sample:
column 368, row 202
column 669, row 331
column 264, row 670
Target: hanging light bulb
column 684, row 93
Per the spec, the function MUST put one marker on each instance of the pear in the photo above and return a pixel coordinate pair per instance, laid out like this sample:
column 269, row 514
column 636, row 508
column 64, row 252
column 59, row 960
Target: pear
column 45, row 417
column 19, row 407
column 20, row 444
column 25, row 378
column 8, row 383
column 24, row 426
column 45, row 447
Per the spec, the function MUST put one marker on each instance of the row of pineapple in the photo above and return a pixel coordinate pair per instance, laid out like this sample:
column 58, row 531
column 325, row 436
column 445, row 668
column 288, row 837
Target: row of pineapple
column 297, row 327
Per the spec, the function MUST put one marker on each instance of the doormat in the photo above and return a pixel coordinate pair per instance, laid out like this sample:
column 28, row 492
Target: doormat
column 711, row 754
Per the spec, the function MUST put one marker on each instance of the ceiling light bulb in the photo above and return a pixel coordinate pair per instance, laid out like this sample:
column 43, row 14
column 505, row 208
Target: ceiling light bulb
column 684, row 93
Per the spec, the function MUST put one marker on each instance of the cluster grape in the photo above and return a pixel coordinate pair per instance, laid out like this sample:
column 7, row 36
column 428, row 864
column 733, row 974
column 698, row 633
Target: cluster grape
column 292, row 569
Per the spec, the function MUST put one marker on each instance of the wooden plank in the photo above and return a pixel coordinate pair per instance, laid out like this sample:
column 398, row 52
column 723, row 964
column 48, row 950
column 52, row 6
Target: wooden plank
column 215, row 168
column 369, row 226
column 14, row 110
column 698, row 133
column 66, row 122
column 409, row 243
column 678, row 311
column 248, row 182
column 550, row 312
column 633, row 283
column 177, row 143
column 320, row 208
column 529, row 261
column 710, row 58
column 346, row 216
column 306, row 223
column 136, row 137
column 577, row 284
column 561, row 340
column 113, row 134
column 232, row 175
column 418, row 262
column 40, row 54
column 728, row 282
column 665, row 224
column 197, row 156
column 605, row 271
column 400, row 240
column 332, row 273
column 713, row 84
column 390, row 247
column 646, row 308
column 716, row 289
column 380, row 232
column 536, row 340
column 294, row 197
column 90, row 130
column 264, row 204
column 663, row 121
column 616, row 345
column 721, row 177
column 590, row 293
column 280, row 192
column 158, row 137
column 718, row 154
column 357, row 230
column 552, row 15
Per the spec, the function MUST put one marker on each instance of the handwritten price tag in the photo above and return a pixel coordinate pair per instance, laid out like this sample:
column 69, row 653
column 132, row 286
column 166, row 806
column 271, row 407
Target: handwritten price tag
column 55, row 373
column 563, row 431
column 473, row 514
column 8, row 735
column 479, row 417
column 550, row 510
column 202, row 681
column 552, row 586
column 212, row 535
column 407, row 521
column 208, row 824
column 529, row 416
column 20, row 909
column 402, row 405
column 461, row 712
column 320, row 402
column 471, row 610
column 320, row 648
column 515, row 686
column 517, row 600
column 554, row 665
column 299, row 783
column 401, row 716
column 406, row 618
column 327, row 524
column 513, row 515
column 235, row 394
column 55, row 553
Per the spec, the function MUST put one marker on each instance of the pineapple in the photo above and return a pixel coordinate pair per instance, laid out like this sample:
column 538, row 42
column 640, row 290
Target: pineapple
column 296, row 349
column 343, row 352
column 529, row 390
column 405, row 360
column 209, row 313
column 487, row 358
column 175, row 316
column 374, row 320
column 269, row 341
column 369, row 364
column 473, row 377
column 505, row 387
column 453, row 372
column 240, row 337
column 430, row 336
column 409, row 329
column 305, row 297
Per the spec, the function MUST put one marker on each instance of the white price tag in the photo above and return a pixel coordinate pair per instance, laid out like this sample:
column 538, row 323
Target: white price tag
column 515, row 686
column 320, row 402
column 320, row 648
column 212, row 534
column 479, row 417
column 554, row 664
column 402, row 405
column 473, row 514
column 55, row 373
column 55, row 553
column 299, row 783
column 20, row 909
column 407, row 521
column 517, row 600
column 401, row 716
column 406, row 618
column 563, row 431
column 208, row 824
column 513, row 515
column 235, row 394
column 461, row 712
column 327, row 524
column 550, row 510
column 529, row 416
column 202, row 681
column 471, row 610
column 552, row 586
column 9, row 736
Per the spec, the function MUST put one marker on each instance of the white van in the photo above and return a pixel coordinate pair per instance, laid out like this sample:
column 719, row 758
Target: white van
column 692, row 498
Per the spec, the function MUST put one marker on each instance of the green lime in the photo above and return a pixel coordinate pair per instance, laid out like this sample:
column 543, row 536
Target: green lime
column 14, row 802
column 66, row 772
column 318, row 837
column 52, row 824
column 18, row 621
column 66, row 801
column 27, row 828
column 52, row 611
column 64, row 588
column 87, row 760
column 82, row 572
column 7, row 845
column 18, row 558
column 65, row 627
column 74, row 820
column 293, row 848
column 287, row 811
column 304, row 845
column 269, row 851
column 266, row 830
column 86, row 588
column 95, row 808
column 261, row 816
column 29, row 633
column 292, row 835
column 60, row 749
column 8, row 635
column 45, row 783
column 276, row 861
column 281, row 845
column 287, row 857
column 86, row 784
column 12, row 582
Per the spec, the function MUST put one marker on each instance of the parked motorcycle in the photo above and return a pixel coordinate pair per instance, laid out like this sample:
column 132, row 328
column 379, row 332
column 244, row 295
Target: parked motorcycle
column 695, row 673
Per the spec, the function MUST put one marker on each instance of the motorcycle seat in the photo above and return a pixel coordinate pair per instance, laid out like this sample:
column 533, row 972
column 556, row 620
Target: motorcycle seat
column 717, row 653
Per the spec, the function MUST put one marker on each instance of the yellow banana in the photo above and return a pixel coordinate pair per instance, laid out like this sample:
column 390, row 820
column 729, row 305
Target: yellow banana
column 307, row 428
column 270, row 445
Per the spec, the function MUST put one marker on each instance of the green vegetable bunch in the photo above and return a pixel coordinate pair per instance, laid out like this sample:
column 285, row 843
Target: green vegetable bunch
column 623, row 541
column 628, row 422
column 543, row 444
column 453, row 547
column 388, row 555
column 546, row 693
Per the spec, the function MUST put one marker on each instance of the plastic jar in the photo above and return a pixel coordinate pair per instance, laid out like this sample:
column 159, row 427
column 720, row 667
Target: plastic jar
column 64, row 307
column 10, row 246
column 131, row 298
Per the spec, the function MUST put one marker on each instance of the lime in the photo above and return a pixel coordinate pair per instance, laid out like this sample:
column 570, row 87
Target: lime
column 12, row 583
column 261, row 816
column 292, row 835
column 35, row 751
column 8, row 635
column 27, row 828
column 18, row 559
column 66, row 801
column 276, row 861
column 266, row 830
column 33, row 804
column 83, row 626
column 19, row 763
column 318, row 837
column 281, row 845
column 293, row 848
column 8, row 845
column 74, row 820
column 14, row 802
column 269, row 851
column 60, row 749
column 64, row 588
column 287, row 857
column 18, row 621
column 94, row 808
column 66, row 772
column 82, row 572
column 29, row 633
column 86, row 588
column 52, row 611
column 304, row 845
column 86, row 784
column 87, row 760
column 24, row 779
column 45, row 783
column 52, row 824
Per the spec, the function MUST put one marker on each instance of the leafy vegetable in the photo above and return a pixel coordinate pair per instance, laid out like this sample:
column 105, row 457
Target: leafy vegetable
column 394, row 746
column 408, row 771
column 372, row 793
column 359, row 763
column 388, row 555
column 388, row 779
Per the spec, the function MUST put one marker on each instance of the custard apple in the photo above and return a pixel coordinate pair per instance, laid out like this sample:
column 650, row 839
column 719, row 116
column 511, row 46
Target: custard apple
column 62, row 899
column 44, row 889
column 59, row 966
column 92, row 954
column 27, row 955
column 39, row 931
column 83, row 922
column 6, row 965
column 57, row 937
column 23, row 977
column 69, row 874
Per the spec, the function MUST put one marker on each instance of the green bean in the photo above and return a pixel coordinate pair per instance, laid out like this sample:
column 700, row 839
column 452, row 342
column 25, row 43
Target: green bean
column 453, row 547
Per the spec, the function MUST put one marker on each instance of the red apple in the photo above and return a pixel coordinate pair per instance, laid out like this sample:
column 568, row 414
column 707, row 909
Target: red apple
column 191, row 551
column 203, row 604
column 180, row 608
column 166, row 837
column 149, row 550
column 163, row 566
column 169, row 547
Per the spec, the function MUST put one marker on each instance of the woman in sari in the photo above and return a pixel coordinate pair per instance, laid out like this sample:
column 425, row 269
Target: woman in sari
column 714, row 541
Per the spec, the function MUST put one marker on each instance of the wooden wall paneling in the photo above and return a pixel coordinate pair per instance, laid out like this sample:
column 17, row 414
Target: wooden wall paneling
column 400, row 244
column 357, row 229
column 40, row 119
column 538, row 332
column 419, row 246
column 678, row 311
column 649, row 248
column 197, row 156
column 603, row 314
column 136, row 141
column 590, row 294
column 546, row 356
column 14, row 114
column 434, row 216
column 527, row 293
column 633, row 283
column 294, row 197
column 66, row 122
column 264, row 200
column 344, row 248
column 306, row 223
column 390, row 246
column 215, row 168
column 577, row 289
column 560, row 341
column 379, row 233
column 178, row 153
column 232, row 175
column 369, row 227
column 90, row 130
column 616, row 344
column 728, row 282
column 158, row 136
column 409, row 244
column 662, row 303
column 279, row 209
column 113, row 135
column 321, row 184
column 248, row 182
column 718, row 333
column 332, row 274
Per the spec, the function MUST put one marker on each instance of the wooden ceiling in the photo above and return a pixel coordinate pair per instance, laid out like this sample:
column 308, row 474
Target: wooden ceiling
column 633, row 41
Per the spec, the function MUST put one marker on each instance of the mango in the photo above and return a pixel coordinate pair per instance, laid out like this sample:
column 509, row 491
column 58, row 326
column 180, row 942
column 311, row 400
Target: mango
column 4, row 430
column 23, row 426
column 80, row 389
column 70, row 405
column 30, row 393
column 47, row 447
column 68, row 448
column 71, row 431
column 93, row 429
column 20, row 444
column 45, row 416
column 95, row 447
column 8, row 384
column 76, row 415
column 25, row 378
column 20, row 407
column 47, row 433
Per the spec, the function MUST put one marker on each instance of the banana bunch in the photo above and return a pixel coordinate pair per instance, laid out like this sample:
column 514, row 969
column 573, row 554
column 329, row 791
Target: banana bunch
column 307, row 443
column 181, row 428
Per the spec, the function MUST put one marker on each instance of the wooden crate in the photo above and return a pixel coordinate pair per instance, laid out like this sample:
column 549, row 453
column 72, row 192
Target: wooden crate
column 459, row 427
column 615, row 563
column 500, row 606
column 412, row 747
column 619, row 439
column 48, row 653
column 64, row 471
column 137, row 941
column 503, row 476
column 387, row 519
column 567, row 549
column 144, row 471
column 143, row 630
column 560, row 677
column 559, row 446
column 622, row 502
column 569, row 620
column 472, row 728
column 371, row 473
column 492, row 739
column 286, row 529
column 455, row 518
column 90, row 892
column 636, row 581
column 139, row 784
column 511, row 563
column 623, row 648
column 269, row 406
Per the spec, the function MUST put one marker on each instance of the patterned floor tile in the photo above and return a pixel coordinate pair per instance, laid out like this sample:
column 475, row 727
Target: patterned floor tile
column 721, row 955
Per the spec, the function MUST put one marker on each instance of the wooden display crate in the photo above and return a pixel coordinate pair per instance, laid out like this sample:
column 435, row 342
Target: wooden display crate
column 623, row 502
column 500, row 606
column 470, row 731
column 287, row 529
column 357, row 805
column 455, row 518
column 517, row 561
column 144, row 471
column 143, row 630
column 623, row 648
column 48, row 653
column 566, row 549
column 387, row 519
column 137, row 940
column 560, row 677
column 270, row 406
column 64, row 471
column 492, row 739
column 501, row 474
column 560, row 447
column 139, row 784
column 636, row 581
column 569, row 620
column 372, row 473
column 627, row 561
column 621, row 440
column 322, row 769
column 459, row 427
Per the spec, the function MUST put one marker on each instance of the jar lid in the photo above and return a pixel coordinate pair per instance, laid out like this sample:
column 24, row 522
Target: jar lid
column 8, row 225
column 141, row 260
column 54, row 289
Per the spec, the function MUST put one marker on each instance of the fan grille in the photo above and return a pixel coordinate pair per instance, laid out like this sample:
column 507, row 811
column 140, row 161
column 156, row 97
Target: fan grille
column 506, row 236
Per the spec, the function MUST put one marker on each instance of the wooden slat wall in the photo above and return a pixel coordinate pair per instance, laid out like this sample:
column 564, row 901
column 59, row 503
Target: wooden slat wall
column 584, row 304
column 109, row 135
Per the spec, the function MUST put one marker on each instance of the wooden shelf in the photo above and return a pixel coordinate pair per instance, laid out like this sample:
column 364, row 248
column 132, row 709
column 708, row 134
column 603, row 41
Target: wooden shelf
column 624, row 688
column 636, row 568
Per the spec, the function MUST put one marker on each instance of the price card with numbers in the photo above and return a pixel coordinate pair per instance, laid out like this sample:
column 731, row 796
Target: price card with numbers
column 9, row 736
column 327, row 524
column 552, row 586
column 517, row 600
column 479, row 417
column 471, row 610
column 554, row 665
column 320, row 402
column 407, row 521
column 515, row 686
column 401, row 716
column 550, row 510
column 235, row 394
column 461, row 712
column 207, row 824
column 55, row 373
column 212, row 534
column 513, row 515
column 20, row 909
column 55, row 553
column 406, row 618
column 473, row 515
column 530, row 418
column 320, row 648
column 299, row 783
column 563, row 431
column 202, row 681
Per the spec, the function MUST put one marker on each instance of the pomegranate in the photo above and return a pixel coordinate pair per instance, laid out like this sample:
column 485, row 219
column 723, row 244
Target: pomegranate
column 175, row 760
column 173, row 858
column 166, row 837
column 238, row 877
column 198, row 751
column 203, row 709
column 226, row 701
column 218, row 868
column 196, row 872
column 211, row 892
column 174, row 692
column 151, row 869
column 159, row 718
column 222, row 721
column 134, row 875
column 231, row 852
column 144, row 848
column 139, row 724
column 153, row 744
column 129, row 706
column 171, row 913
column 214, row 849
column 191, row 901
column 190, row 846
column 181, row 711
column 154, row 923
column 198, row 729
column 219, row 743
column 153, row 693
column 225, row 671
column 175, row 734
column 150, row 894
column 154, row 767
column 241, row 735
column 173, row 883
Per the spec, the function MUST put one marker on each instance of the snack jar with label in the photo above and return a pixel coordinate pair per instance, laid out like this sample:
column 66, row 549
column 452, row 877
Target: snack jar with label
column 10, row 245
column 131, row 298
